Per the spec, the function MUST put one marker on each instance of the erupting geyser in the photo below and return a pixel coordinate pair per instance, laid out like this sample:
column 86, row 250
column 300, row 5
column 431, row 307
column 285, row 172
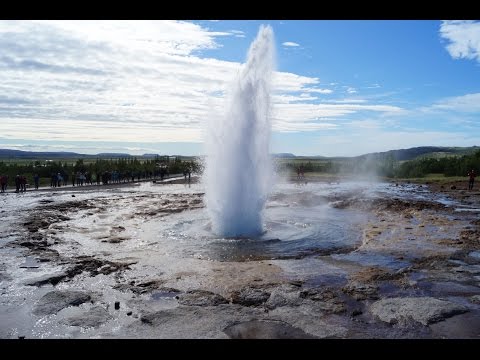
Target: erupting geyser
column 239, row 169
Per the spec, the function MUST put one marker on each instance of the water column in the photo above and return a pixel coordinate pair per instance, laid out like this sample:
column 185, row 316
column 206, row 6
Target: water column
column 238, row 173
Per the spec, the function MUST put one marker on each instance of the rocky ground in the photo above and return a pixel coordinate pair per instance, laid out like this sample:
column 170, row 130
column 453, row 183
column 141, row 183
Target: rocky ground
column 83, row 267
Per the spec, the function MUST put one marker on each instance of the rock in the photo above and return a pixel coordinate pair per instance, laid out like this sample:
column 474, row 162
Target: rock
column 96, row 316
column 95, row 266
column 4, row 276
column 475, row 299
column 54, row 301
column 425, row 310
column 73, row 195
column 453, row 187
column 357, row 312
column 117, row 305
column 361, row 291
column 201, row 298
column 53, row 279
column 325, row 300
column 284, row 296
column 129, row 313
column 250, row 296
column 261, row 329
column 307, row 319
column 318, row 294
column 145, row 287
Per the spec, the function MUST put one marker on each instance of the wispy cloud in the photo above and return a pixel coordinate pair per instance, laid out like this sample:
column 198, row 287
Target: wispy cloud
column 463, row 38
column 317, row 90
column 465, row 103
column 238, row 33
column 136, row 81
column 365, row 124
column 290, row 44
column 347, row 101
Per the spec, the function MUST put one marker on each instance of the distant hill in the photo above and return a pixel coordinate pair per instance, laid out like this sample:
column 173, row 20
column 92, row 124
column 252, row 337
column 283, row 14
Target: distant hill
column 399, row 155
column 424, row 152
column 7, row 153
column 150, row 156
column 49, row 155
column 111, row 155
column 52, row 155
column 284, row 155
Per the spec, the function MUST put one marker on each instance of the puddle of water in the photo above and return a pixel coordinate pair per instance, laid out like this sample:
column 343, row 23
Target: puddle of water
column 158, row 295
column 464, row 209
column 30, row 263
column 373, row 259
column 475, row 254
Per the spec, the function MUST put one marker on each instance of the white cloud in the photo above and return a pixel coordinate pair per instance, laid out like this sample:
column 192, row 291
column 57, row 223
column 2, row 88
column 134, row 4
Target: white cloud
column 290, row 44
column 463, row 38
column 317, row 90
column 134, row 81
column 465, row 103
column 348, row 101
column 309, row 117
column 351, row 90
column 365, row 124
column 238, row 33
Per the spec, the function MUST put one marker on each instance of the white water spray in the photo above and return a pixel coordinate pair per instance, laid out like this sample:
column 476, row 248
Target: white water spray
column 239, row 169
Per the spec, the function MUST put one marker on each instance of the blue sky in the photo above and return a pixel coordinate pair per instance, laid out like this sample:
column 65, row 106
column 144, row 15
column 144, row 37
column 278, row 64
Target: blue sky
column 341, row 87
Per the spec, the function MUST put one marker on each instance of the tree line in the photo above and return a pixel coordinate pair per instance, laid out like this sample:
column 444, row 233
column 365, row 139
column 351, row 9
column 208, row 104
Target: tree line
column 448, row 166
column 126, row 167
column 387, row 166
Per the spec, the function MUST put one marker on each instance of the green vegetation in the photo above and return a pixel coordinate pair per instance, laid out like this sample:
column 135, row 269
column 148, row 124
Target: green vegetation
column 448, row 166
column 385, row 165
column 431, row 163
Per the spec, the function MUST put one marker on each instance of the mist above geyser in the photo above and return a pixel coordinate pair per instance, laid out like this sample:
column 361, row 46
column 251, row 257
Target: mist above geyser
column 239, row 169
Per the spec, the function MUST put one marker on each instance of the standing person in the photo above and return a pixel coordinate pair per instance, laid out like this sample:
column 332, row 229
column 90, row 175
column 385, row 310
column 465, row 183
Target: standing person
column 3, row 182
column 17, row 183
column 36, row 179
column 23, row 183
column 472, row 175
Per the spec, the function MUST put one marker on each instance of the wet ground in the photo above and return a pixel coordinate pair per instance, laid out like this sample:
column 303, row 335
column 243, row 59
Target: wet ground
column 337, row 260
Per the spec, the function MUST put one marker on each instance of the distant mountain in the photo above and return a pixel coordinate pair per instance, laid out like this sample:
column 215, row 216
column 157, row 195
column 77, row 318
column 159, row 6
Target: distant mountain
column 48, row 155
column 423, row 151
column 284, row 155
column 7, row 153
column 399, row 155
column 111, row 155
column 150, row 156
column 52, row 155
